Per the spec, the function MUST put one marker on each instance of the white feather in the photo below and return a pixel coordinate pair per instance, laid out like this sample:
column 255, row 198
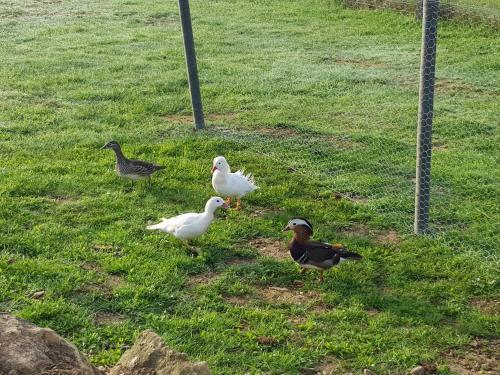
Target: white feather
column 230, row 184
column 190, row 225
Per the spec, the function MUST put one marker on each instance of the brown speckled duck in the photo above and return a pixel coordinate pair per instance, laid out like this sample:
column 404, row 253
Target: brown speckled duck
column 129, row 168
column 314, row 254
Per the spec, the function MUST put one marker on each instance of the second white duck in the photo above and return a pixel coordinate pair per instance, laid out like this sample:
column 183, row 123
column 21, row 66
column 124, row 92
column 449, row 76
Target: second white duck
column 190, row 225
column 229, row 184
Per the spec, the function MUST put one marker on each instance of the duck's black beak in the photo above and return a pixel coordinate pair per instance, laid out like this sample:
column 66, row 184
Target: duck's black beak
column 104, row 147
column 286, row 228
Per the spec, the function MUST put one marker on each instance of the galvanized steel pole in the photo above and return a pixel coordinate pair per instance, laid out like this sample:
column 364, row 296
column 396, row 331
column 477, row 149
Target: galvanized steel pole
column 425, row 113
column 192, row 70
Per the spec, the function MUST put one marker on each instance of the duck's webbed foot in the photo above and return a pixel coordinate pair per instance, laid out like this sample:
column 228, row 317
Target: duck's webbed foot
column 238, row 204
column 229, row 200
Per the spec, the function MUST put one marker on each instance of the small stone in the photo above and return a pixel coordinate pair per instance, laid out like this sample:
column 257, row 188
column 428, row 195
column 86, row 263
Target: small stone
column 367, row 371
column 419, row 370
column 38, row 295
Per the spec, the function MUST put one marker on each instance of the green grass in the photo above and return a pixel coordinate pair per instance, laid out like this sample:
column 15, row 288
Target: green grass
column 307, row 87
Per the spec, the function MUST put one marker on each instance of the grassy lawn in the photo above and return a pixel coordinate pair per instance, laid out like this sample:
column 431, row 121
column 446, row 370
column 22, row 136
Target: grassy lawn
column 320, row 103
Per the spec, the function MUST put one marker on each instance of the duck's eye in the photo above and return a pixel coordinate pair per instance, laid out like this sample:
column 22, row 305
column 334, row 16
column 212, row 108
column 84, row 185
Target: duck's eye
column 219, row 163
column 294, row 223
column 218, row 201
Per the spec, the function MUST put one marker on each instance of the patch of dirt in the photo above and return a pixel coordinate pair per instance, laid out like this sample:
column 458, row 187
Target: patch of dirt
column 391, row 237
column 106, row 287
column 108, row 318
column 263, row 211
column 373, row 312
column 286, row 132
column 267, row 341
column 452, row 86
column 188, row 119
column 91, row 266
column 106, row 247
column 271, row 248
column 479, row 357
column 203, row 278
column 486, row 306
column 349, row 195
column 329, row 366
column 439, row 146
column 383, row 237
column 237, row 300
column 274, row 294
column 115, row 281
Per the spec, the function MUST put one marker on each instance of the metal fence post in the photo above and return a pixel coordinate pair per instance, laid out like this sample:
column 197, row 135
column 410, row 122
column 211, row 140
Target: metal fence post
column 192, row 70
column 425, row 112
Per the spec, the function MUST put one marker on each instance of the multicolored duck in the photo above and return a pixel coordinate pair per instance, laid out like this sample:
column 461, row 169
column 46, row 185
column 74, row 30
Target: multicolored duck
column 314, row 254
column 229, row 184
column 188, row 226
column 129, row 168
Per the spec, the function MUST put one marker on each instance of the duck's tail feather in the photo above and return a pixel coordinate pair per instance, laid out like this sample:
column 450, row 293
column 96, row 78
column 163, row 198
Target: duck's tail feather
column 350, row 255
column 160, row 225
column 249, row 177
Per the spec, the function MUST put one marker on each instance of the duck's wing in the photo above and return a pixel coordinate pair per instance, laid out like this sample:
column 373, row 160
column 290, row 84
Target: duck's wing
column 143, row 167
column 172, row 224
column 320, row 252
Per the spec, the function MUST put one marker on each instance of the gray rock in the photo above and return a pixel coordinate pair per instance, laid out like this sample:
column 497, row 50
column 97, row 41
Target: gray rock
column 150, row 355
column 26, row 349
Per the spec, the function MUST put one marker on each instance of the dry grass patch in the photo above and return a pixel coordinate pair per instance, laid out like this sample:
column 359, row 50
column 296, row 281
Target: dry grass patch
column 382, row 237
column 274, row 294
column 272, row 248
column 237, row 300
column 351, row 196
column 487, row 306
column 263, row 211
column 452, row 86
column 107, row 318
column 479, row 357
column 329, row 366
column 188, row 119
column 203, row 278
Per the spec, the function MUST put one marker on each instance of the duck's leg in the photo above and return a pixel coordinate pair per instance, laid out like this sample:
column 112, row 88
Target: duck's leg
column 238, row 204
column 321, row 277
column 228, row 201
column 192, row 250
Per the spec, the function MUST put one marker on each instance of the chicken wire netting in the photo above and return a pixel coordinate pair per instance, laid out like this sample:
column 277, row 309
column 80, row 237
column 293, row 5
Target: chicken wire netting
column 365, row 151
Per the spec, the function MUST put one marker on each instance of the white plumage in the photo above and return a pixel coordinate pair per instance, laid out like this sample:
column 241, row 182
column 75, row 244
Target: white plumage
column 229, row 184
column 190, row 225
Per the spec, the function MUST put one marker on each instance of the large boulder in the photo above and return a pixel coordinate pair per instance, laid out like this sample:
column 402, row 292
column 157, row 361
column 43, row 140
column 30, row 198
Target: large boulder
column 26, row 349
column 150, row 355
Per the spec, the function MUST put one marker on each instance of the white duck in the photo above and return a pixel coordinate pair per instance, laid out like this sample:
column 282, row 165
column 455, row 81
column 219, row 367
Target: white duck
column 230, row 184
column 191, row 225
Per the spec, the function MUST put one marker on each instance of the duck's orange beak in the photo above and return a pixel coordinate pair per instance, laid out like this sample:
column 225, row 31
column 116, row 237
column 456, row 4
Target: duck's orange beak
column 214, row 168
column 225, row 205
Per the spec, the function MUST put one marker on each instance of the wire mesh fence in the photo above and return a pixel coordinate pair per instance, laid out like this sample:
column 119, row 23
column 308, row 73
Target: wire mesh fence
column 362, row 147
